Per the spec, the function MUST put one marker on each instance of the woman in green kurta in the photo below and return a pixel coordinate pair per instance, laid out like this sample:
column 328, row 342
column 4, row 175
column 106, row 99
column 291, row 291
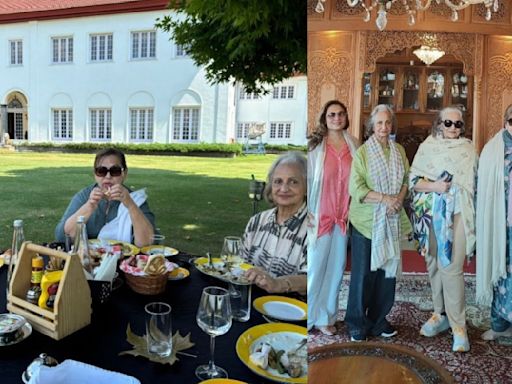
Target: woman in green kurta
column 378, row 185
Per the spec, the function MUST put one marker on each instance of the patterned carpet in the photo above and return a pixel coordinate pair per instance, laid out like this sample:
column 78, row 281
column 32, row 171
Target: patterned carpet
column 486, row 363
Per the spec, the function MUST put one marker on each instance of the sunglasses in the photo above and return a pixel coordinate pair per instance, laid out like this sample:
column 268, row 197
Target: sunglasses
column 509, row 121
column 114, row 171
column 458, row 124
column 332, row 115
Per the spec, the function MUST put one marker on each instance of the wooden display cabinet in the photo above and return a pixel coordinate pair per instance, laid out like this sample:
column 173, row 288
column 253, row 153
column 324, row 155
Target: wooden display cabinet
column 416, row 93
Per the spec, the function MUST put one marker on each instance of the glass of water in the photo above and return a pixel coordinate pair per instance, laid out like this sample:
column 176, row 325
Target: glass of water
column 214, row 318
column 159, row 328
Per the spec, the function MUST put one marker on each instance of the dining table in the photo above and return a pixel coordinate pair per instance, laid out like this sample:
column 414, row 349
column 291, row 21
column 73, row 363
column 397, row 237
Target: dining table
column 101, row 342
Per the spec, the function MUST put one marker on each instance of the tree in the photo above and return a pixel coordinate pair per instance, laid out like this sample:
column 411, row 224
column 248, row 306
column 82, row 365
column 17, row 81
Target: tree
column 256, row 42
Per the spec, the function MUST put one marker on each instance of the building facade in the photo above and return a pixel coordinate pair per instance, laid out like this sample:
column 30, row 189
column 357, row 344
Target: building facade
column 103, row 73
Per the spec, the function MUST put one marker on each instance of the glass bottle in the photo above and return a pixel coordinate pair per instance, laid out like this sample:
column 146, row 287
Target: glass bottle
column 35, row 280
column 81, row 245
column 18, row 238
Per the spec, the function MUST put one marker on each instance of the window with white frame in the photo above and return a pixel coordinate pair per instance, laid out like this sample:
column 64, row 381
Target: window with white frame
column 283, row 92
column 102, row 47
column 242, row 130
column 16, row 51
column 186, row 124
column 181, row 50
column 244, row 95
column 143, row 45
column 280, row 130
column 100, row 124
column 141, row 124
column 62, row 123
column 62, row 48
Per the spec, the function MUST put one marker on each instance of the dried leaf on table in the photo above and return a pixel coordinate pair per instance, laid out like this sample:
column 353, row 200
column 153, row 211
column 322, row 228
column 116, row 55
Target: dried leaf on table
column 179, row 343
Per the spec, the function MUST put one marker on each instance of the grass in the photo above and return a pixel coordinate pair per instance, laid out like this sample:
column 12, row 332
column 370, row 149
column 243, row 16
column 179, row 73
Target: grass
column 196, row 200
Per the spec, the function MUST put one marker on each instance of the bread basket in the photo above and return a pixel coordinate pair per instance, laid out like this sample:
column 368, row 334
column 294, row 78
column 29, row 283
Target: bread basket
column 143, row 283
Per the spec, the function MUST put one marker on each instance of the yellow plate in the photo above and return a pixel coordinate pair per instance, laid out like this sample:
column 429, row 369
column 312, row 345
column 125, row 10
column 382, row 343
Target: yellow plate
column 201, row 264
column 281, row 308
column 250, row 339
column 128, row 249
column 179, row 274
column 222, row 381
column 159, row 250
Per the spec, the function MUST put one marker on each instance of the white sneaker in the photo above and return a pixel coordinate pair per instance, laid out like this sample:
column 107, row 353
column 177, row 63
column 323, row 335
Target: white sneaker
column 435, row 325
column 460, row 340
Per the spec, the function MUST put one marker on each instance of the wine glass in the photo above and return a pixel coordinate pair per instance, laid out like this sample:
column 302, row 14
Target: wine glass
column 230, row 253
column 214, row 318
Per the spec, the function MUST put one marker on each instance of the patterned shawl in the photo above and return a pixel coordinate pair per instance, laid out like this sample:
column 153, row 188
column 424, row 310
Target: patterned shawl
column 387, row 177
column 458, row 157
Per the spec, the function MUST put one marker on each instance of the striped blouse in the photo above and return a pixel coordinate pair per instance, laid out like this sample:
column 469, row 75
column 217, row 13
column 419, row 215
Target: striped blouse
column 278, row 249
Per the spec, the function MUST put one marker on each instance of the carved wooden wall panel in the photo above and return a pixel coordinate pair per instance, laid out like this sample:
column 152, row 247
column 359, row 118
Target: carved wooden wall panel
column 499, row 84
column 377, row 44
column 328, row 69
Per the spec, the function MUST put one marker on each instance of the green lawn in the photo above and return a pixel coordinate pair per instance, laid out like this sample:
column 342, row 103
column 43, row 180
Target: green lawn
column 197, row 201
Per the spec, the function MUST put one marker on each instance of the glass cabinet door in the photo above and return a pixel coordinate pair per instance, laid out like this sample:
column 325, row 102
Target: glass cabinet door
column 387, row 81
column 367, row 90
column 459, row 91
column 411, row 89
column 435, row 89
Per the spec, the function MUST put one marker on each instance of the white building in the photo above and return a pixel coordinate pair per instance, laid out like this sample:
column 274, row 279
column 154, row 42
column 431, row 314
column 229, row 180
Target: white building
column 99, row 71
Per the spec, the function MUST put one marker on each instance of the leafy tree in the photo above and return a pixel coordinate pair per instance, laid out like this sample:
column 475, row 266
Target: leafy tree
column 255, row 42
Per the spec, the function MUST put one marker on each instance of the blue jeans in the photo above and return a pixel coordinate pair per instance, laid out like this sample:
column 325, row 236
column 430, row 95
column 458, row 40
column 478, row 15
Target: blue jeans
column 371, row 295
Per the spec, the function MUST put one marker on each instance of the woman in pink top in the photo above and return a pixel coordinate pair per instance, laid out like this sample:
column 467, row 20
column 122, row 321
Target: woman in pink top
column 330, row 156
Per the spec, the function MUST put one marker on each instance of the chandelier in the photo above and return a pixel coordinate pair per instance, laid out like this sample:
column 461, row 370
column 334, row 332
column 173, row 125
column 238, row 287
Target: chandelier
column 428, row 54
column 412, row 7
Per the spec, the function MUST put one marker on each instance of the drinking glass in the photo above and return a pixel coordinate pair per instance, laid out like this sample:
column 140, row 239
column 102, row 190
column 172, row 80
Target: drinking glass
column 231, row 251
column 214, row 318
column 157, row 239
column 159, row 328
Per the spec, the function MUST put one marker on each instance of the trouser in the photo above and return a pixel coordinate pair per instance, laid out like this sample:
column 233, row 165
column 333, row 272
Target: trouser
column 448, row 283
column 326, row 263
column 371, row 295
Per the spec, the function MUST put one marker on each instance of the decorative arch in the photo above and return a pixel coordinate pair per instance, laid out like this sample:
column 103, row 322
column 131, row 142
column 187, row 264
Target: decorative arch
column 463, row 46
column 14, row 116
column 186, row 97
column 141, row 99
column 99, row 99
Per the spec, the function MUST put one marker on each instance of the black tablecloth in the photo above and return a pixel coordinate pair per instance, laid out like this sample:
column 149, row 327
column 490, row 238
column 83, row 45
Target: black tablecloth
column 99, row 343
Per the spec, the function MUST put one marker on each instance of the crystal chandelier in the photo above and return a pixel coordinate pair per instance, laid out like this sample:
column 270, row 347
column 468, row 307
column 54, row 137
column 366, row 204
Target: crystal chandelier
column 412, row 7
column 428, row 54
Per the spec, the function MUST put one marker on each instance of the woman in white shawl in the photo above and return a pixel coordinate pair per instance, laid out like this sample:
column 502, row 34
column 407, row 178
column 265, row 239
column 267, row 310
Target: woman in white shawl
column 442, row 181
column 331, row 149
column 378, row 185
column 494, row 230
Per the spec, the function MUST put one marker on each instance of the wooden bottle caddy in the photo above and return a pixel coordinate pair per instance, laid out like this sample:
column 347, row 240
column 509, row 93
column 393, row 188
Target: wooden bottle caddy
column 72, row 307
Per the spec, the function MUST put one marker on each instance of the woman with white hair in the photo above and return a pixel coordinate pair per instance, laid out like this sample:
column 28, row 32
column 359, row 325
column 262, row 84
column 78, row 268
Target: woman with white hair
column 442, row 181
column 275, row 240
column 378, row 185
column 494, row 230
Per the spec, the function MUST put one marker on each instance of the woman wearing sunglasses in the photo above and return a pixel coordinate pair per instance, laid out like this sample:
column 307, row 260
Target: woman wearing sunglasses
column 331, row 149
column 110, row 209
column 494, row 230
column 442, row 183
column 378, row 185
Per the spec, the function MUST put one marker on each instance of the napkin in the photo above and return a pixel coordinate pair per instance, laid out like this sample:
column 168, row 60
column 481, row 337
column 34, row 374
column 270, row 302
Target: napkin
column 76, row 372
column 121, row 227
column 107, row 269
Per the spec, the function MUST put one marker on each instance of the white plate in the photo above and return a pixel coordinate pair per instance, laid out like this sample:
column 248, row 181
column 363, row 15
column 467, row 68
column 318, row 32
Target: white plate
column 283, row 311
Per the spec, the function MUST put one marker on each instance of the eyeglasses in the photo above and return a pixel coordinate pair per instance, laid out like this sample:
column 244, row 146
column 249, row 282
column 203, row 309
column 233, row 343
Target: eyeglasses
column 114, row 171
column 332, row 115
column 509, row 121
column 458, row 124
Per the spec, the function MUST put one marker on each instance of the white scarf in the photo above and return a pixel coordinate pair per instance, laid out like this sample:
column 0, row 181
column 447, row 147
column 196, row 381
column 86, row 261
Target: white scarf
column 120, row 228
column 491, row 237
column 387, row 177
